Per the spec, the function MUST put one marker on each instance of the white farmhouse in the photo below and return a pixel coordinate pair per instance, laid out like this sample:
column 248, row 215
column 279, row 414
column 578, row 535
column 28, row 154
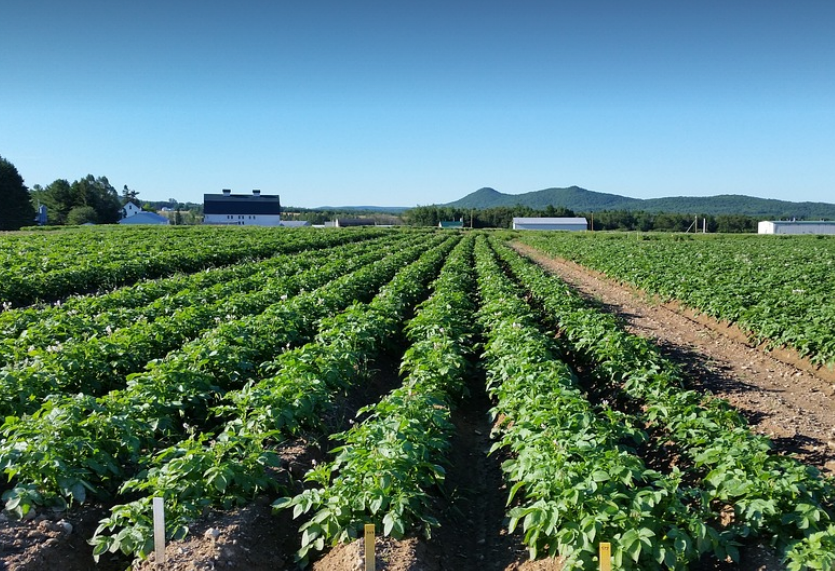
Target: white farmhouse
column 130, row 209
column 570, row 224
column 793, row 227
column 254, row 209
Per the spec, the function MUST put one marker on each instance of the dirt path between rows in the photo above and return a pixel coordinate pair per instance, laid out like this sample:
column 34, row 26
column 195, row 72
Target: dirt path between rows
column 791, row 404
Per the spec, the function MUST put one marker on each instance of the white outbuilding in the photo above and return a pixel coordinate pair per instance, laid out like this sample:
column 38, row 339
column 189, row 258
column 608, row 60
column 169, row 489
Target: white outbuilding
column 793, row 227
column 570, row 224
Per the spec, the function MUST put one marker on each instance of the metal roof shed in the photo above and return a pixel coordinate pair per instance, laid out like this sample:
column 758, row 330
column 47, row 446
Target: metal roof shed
column 145, row 218
column 570, row 224
column 793, row 227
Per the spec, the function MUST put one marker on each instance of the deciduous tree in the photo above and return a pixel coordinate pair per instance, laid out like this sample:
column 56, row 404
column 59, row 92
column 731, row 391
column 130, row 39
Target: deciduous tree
column 82, row 215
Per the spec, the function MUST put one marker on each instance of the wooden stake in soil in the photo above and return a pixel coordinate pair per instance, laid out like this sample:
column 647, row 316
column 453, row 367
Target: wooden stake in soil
column 159, row 530
column 370, row 558
column 605, row 556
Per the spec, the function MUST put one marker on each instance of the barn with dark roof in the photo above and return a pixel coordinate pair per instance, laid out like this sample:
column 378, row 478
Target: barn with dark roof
column 254, row 209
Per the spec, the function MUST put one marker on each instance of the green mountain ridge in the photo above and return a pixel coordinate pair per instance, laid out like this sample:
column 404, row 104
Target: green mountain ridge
column 385, row 209
column 581, row 200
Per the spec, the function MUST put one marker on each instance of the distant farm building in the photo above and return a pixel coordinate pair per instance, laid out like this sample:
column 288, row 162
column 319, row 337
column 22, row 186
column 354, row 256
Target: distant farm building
column 143, row 217
column 451, row 224
column 571, row 224
column 348, row 222
column 133, row 214
column 294, row 223
column 41, row 218
column 792, row 227
column 130, row 209
column 254, row 209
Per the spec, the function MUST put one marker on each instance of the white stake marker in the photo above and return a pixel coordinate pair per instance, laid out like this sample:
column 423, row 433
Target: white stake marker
column 159, row 530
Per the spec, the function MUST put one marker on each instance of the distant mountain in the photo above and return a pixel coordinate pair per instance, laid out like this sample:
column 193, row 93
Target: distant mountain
column 582, row 200
column 386, row 209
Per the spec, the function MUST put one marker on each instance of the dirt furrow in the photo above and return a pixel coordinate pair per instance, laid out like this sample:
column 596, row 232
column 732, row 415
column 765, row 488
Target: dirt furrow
column 473, row 535
column 794, row 406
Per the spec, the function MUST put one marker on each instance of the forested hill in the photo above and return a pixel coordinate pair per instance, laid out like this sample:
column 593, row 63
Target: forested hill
column 582, row 200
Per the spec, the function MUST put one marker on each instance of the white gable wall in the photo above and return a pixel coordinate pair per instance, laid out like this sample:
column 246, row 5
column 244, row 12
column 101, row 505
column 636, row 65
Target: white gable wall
column 243, row 219
column 130, row 209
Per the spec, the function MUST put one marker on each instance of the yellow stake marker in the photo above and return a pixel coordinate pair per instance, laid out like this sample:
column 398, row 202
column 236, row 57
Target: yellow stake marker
column 370, row 559
column 605, row 556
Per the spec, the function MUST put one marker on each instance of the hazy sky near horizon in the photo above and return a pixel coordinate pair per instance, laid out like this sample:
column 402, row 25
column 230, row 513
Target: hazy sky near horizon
column 399, row 104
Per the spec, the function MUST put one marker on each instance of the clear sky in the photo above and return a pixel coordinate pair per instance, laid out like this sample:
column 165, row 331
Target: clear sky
column 402, row 103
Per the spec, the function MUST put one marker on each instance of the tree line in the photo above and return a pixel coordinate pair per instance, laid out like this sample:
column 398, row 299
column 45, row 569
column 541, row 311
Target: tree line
column 624, row 220
column 87, row 200
column 90, row 199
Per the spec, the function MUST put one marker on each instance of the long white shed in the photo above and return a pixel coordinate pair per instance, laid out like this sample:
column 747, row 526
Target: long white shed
column 792, row 227
column 570, row 224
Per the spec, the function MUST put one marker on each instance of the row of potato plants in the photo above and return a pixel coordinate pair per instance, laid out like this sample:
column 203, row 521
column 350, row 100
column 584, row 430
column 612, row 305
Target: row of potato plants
column 25, row 331
column 575, row 476
column 772, row 497
column 228, row 466
column 148, row 290
column 77, row 444
column 51, row 266
column 151, row 331
column 777, row 287
column 100, row 364
column 388, row 468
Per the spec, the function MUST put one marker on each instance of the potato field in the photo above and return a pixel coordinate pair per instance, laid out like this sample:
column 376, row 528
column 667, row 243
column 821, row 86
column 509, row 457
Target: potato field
column 184, row 363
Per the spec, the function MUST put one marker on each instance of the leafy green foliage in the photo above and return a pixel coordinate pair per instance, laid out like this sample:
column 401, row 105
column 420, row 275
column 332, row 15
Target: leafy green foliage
column 54, row 355
column 50, row 266
column 228, row 469
column 181, row 387
column 575, row 478
column 387, row 467
column 199, row 378
column 772, row 496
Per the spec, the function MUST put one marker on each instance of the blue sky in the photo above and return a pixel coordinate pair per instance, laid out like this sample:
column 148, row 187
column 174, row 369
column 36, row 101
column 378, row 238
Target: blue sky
column 406, row 103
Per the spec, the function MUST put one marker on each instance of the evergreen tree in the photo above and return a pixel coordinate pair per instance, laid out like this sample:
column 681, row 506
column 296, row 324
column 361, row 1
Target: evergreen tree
column 16, row 208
